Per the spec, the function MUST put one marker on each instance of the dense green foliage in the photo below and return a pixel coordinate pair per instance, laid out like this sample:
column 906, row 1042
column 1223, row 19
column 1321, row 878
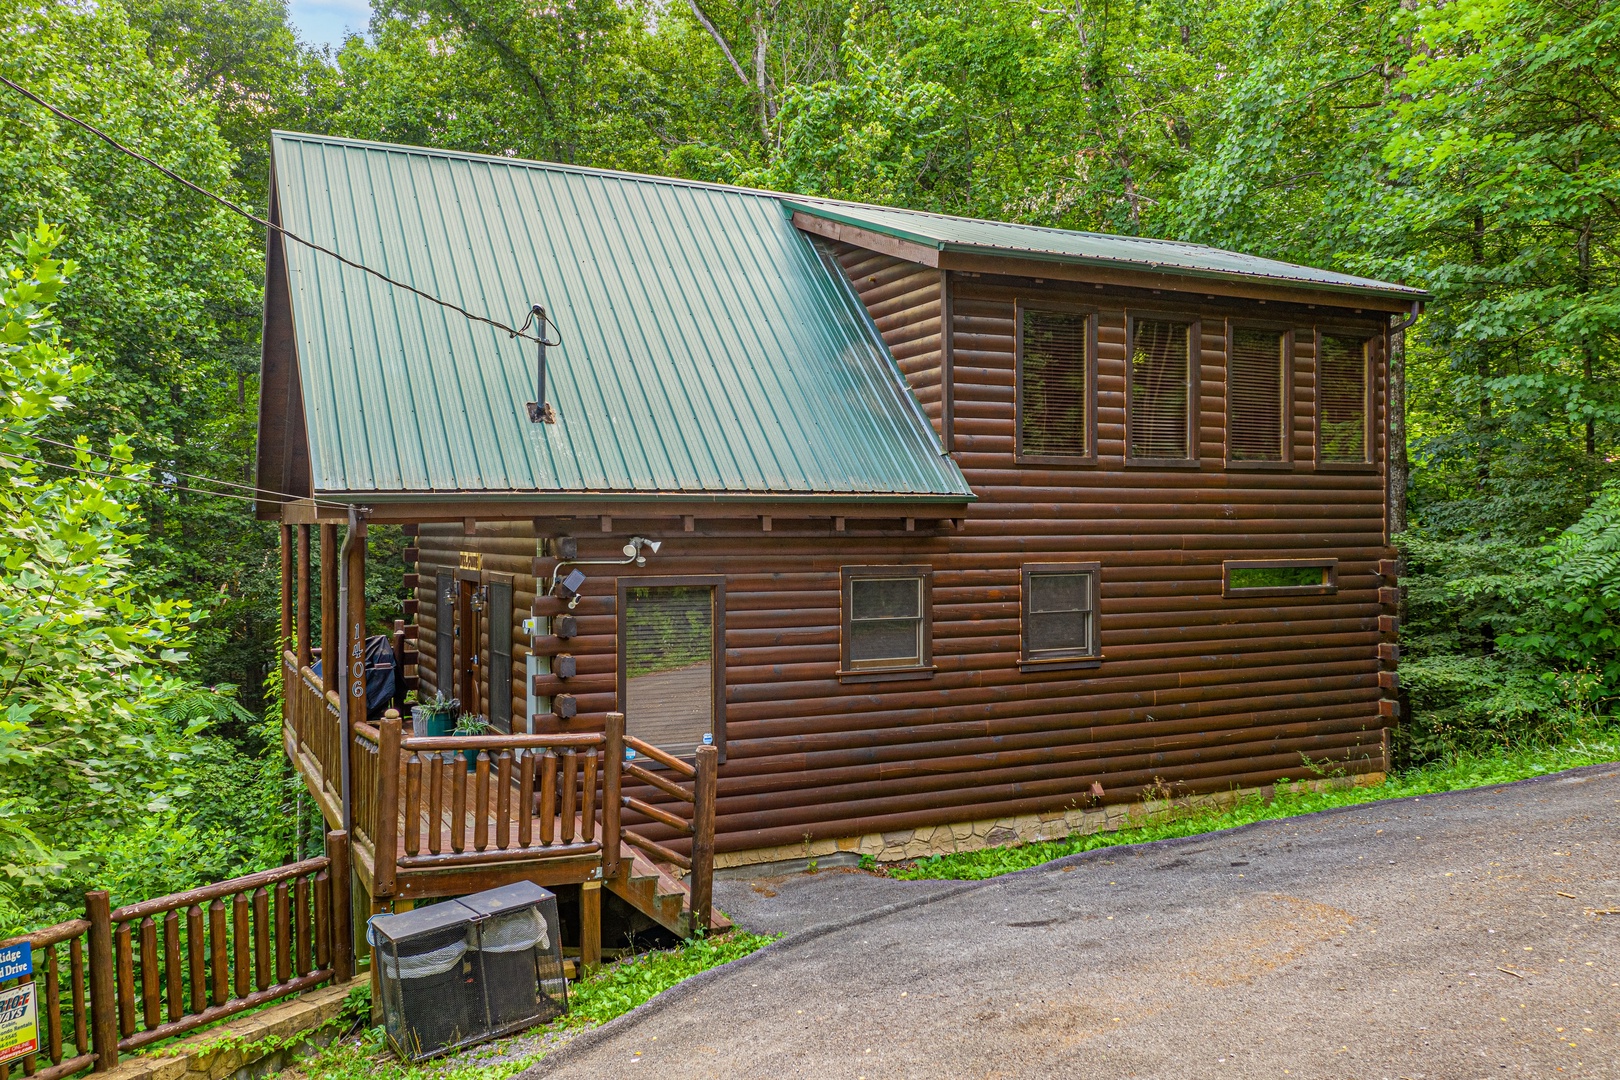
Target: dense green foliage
column 1469, row 146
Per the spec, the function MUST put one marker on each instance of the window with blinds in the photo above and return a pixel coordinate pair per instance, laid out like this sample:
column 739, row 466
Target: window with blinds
column 1159, row 413
column 1341, row 402
column 886, row 618
column 667, row 653
column 1255, row 384
column 1060, row 611
column 1053, row 376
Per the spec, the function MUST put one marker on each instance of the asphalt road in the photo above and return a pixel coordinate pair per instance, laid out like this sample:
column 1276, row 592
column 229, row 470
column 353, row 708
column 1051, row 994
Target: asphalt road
column 1450, row 936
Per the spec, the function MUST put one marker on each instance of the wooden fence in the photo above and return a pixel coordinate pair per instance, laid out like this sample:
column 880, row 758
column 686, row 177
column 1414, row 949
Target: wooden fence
column 121, row 979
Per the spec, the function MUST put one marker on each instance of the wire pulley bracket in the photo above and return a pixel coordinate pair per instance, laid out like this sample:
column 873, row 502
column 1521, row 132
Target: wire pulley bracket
column 540, row 410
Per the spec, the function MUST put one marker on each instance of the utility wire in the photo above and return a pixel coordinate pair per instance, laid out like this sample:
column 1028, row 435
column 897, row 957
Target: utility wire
column 128, row 479
column 171, row 472
column 263, row 494
column 256, row 219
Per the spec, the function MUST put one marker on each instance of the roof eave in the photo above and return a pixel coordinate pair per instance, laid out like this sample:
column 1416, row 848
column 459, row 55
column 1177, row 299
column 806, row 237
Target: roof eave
column 1383, row 290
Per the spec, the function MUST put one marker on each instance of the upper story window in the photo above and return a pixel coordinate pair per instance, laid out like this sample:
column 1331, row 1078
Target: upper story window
column 1054, row 359
column 887, row 628
column 1343, row 400
column 1159, row 392
column 1257, row 363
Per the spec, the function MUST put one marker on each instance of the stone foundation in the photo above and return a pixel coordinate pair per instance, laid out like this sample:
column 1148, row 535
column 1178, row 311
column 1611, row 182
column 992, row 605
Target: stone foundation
column 1020, row 829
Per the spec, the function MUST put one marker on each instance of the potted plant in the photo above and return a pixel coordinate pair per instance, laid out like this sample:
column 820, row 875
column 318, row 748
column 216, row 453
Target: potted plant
column 468, row 724
column 435, row 717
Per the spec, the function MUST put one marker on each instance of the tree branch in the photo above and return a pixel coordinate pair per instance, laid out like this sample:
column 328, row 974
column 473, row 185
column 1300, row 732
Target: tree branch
column 720, row 41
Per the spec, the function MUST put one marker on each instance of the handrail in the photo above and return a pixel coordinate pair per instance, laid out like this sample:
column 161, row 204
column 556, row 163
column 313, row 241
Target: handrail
column 703, row 774
column 151, row 970
column 437, row 743
column 206, row 893
column 663, row 757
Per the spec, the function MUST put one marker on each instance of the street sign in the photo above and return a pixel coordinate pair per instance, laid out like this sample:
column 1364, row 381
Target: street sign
column 16, row 960
column 19, row 1022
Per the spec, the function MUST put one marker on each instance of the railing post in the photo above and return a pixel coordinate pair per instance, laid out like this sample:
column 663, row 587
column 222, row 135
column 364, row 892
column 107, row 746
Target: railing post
column 103, row 996
column 612, row 765
column 337, row 851
column 386, row 839
column 703, row 786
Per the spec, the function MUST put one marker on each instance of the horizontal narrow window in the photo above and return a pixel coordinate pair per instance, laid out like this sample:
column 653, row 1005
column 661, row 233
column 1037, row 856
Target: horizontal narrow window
column 1159, row 408
column 1060, row 611
column 1281, row 577
column 1053, row 383
column 1255, row 384
column 1341, row 408
column 886, row 618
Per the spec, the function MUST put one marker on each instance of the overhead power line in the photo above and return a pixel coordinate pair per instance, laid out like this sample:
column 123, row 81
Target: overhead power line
column 256, row 219
column 260, row 494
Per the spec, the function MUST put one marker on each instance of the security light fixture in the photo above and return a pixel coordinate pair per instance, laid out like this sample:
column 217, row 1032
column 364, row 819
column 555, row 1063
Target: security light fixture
column 632, row 550
column 636, row 551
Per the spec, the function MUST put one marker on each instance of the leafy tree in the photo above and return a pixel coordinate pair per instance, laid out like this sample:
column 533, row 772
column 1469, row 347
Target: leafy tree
column 86, row 662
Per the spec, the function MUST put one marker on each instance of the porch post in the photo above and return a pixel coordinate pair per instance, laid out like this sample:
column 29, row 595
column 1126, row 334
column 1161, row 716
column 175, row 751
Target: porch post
column 302, row 644
column 285, row 641
column 329, row 605
column 347, row 662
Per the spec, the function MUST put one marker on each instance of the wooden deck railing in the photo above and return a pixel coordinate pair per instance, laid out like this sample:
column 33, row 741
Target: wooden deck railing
column 164, row 967
column 699, row 826
column 525, row 797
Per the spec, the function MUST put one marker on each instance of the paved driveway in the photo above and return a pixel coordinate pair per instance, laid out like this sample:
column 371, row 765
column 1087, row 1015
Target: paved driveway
column 1450, row 936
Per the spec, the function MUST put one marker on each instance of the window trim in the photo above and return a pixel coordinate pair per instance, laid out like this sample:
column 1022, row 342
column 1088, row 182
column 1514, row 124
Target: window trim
column 1089, row 458
column 1329, row 586
column 1289, row 334
column 1092, row 657
column 716, row 582
column 1370, row 339
column 925, row 670
column 1195, row 351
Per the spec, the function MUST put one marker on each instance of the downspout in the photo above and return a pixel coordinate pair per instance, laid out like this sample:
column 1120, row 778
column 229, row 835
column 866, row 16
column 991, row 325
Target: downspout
column 345, row 720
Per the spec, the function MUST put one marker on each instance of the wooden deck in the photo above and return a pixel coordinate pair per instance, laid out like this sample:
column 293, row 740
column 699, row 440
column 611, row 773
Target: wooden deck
column 532, row 808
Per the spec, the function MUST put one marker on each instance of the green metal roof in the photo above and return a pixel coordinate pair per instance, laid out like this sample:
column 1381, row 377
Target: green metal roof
column 707, row 349
column 970, row 235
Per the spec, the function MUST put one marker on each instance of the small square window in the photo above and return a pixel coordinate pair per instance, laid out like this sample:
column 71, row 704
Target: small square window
column 887, row 621
column 1060, row 614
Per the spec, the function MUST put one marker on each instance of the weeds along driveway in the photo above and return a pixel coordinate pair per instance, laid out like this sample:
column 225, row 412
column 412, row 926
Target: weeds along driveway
column 1450, row 936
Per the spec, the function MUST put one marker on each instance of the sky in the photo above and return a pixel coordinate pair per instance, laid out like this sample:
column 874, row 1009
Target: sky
column 324, row 22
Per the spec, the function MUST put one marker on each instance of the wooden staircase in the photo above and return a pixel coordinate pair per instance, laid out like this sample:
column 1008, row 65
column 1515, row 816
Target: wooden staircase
column 659, row 893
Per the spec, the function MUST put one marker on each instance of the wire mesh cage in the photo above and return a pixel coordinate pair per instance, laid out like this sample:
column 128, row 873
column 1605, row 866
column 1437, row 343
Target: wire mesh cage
column 517, row 956
column 430, row 1004
column 465, row 971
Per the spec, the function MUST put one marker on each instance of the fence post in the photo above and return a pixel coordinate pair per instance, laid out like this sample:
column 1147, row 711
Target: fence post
column 103, row 996
column 385, row 848
column 703, row 787
column 337, row 850
column 613, row 763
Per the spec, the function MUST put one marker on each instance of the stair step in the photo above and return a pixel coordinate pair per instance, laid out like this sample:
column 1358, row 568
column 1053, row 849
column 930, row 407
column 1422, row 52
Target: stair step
column 658, row 893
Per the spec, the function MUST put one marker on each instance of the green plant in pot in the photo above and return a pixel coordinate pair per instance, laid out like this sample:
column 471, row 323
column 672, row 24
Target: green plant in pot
column 435, row 717
column 468, row 724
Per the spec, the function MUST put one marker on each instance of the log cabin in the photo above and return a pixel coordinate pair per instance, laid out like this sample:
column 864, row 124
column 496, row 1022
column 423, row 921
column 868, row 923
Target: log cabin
column 834, row 529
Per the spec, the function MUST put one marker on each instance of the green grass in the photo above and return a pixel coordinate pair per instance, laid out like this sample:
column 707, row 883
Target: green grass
column 1463, row 771
column 611, row 992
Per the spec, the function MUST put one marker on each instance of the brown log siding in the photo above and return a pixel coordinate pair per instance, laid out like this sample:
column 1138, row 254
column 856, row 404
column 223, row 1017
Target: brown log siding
column 1195, row 692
